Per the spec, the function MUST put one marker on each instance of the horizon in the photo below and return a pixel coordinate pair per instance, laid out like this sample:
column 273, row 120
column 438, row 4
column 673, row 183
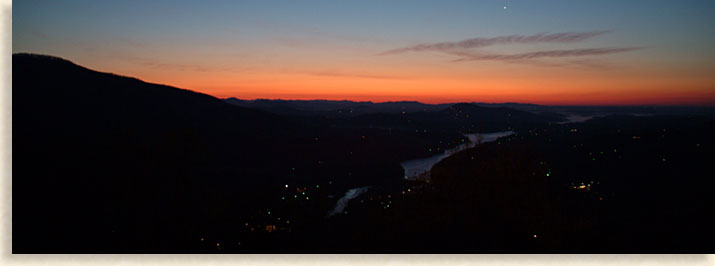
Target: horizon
column 642, row 53
column 704, row 105
column 439, row 103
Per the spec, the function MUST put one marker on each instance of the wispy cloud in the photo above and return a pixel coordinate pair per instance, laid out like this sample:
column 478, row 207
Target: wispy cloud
column 562, row 37
column 471, row 49
column 467, row 56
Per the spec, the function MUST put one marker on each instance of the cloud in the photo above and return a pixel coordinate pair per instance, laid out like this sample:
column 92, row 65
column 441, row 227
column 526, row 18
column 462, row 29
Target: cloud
column 562, row 37
column 471, row 49
column 467, row 56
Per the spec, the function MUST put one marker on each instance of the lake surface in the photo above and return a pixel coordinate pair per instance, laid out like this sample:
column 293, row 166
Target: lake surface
column 574, row 118
column 417, row 167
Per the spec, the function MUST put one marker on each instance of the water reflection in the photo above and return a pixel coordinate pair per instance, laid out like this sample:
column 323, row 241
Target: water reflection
column 417, row 167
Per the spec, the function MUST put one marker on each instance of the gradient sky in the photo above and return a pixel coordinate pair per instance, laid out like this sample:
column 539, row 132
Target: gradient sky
column 604, row 52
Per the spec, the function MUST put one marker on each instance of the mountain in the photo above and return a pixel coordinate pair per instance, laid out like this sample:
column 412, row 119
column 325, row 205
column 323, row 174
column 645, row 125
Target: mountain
column 334, row 108
column 104, row 159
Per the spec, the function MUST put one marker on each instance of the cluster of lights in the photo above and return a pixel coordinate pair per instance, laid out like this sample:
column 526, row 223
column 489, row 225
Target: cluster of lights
column 582, row 186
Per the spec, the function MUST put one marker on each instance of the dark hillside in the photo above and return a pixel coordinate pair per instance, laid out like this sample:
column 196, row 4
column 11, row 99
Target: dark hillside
column 102, row 156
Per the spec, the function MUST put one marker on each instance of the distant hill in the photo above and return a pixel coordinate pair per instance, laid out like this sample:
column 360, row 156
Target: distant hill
column 556, row 110
column 462, row 117
column 329, row 108
column 345, row 108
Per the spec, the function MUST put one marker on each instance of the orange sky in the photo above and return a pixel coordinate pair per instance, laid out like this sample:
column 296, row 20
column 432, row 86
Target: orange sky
column 496, row 82
column 335, row 72
column 605, row 52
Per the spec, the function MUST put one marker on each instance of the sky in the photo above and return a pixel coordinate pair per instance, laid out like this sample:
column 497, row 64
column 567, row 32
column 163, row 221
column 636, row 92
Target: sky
column 576, row 52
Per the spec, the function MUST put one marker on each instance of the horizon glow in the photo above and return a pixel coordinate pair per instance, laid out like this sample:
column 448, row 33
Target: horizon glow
column 542, row 52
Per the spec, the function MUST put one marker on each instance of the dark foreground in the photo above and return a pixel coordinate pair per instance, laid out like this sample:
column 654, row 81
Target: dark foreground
column 109, row 164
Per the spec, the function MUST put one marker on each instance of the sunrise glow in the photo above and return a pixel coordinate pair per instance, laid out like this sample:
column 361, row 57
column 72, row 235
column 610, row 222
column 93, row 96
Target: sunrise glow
column 542, row 52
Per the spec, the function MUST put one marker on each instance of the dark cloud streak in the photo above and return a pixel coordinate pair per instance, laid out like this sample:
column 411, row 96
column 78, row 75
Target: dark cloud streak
column 466, row 56
column 563, row 37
